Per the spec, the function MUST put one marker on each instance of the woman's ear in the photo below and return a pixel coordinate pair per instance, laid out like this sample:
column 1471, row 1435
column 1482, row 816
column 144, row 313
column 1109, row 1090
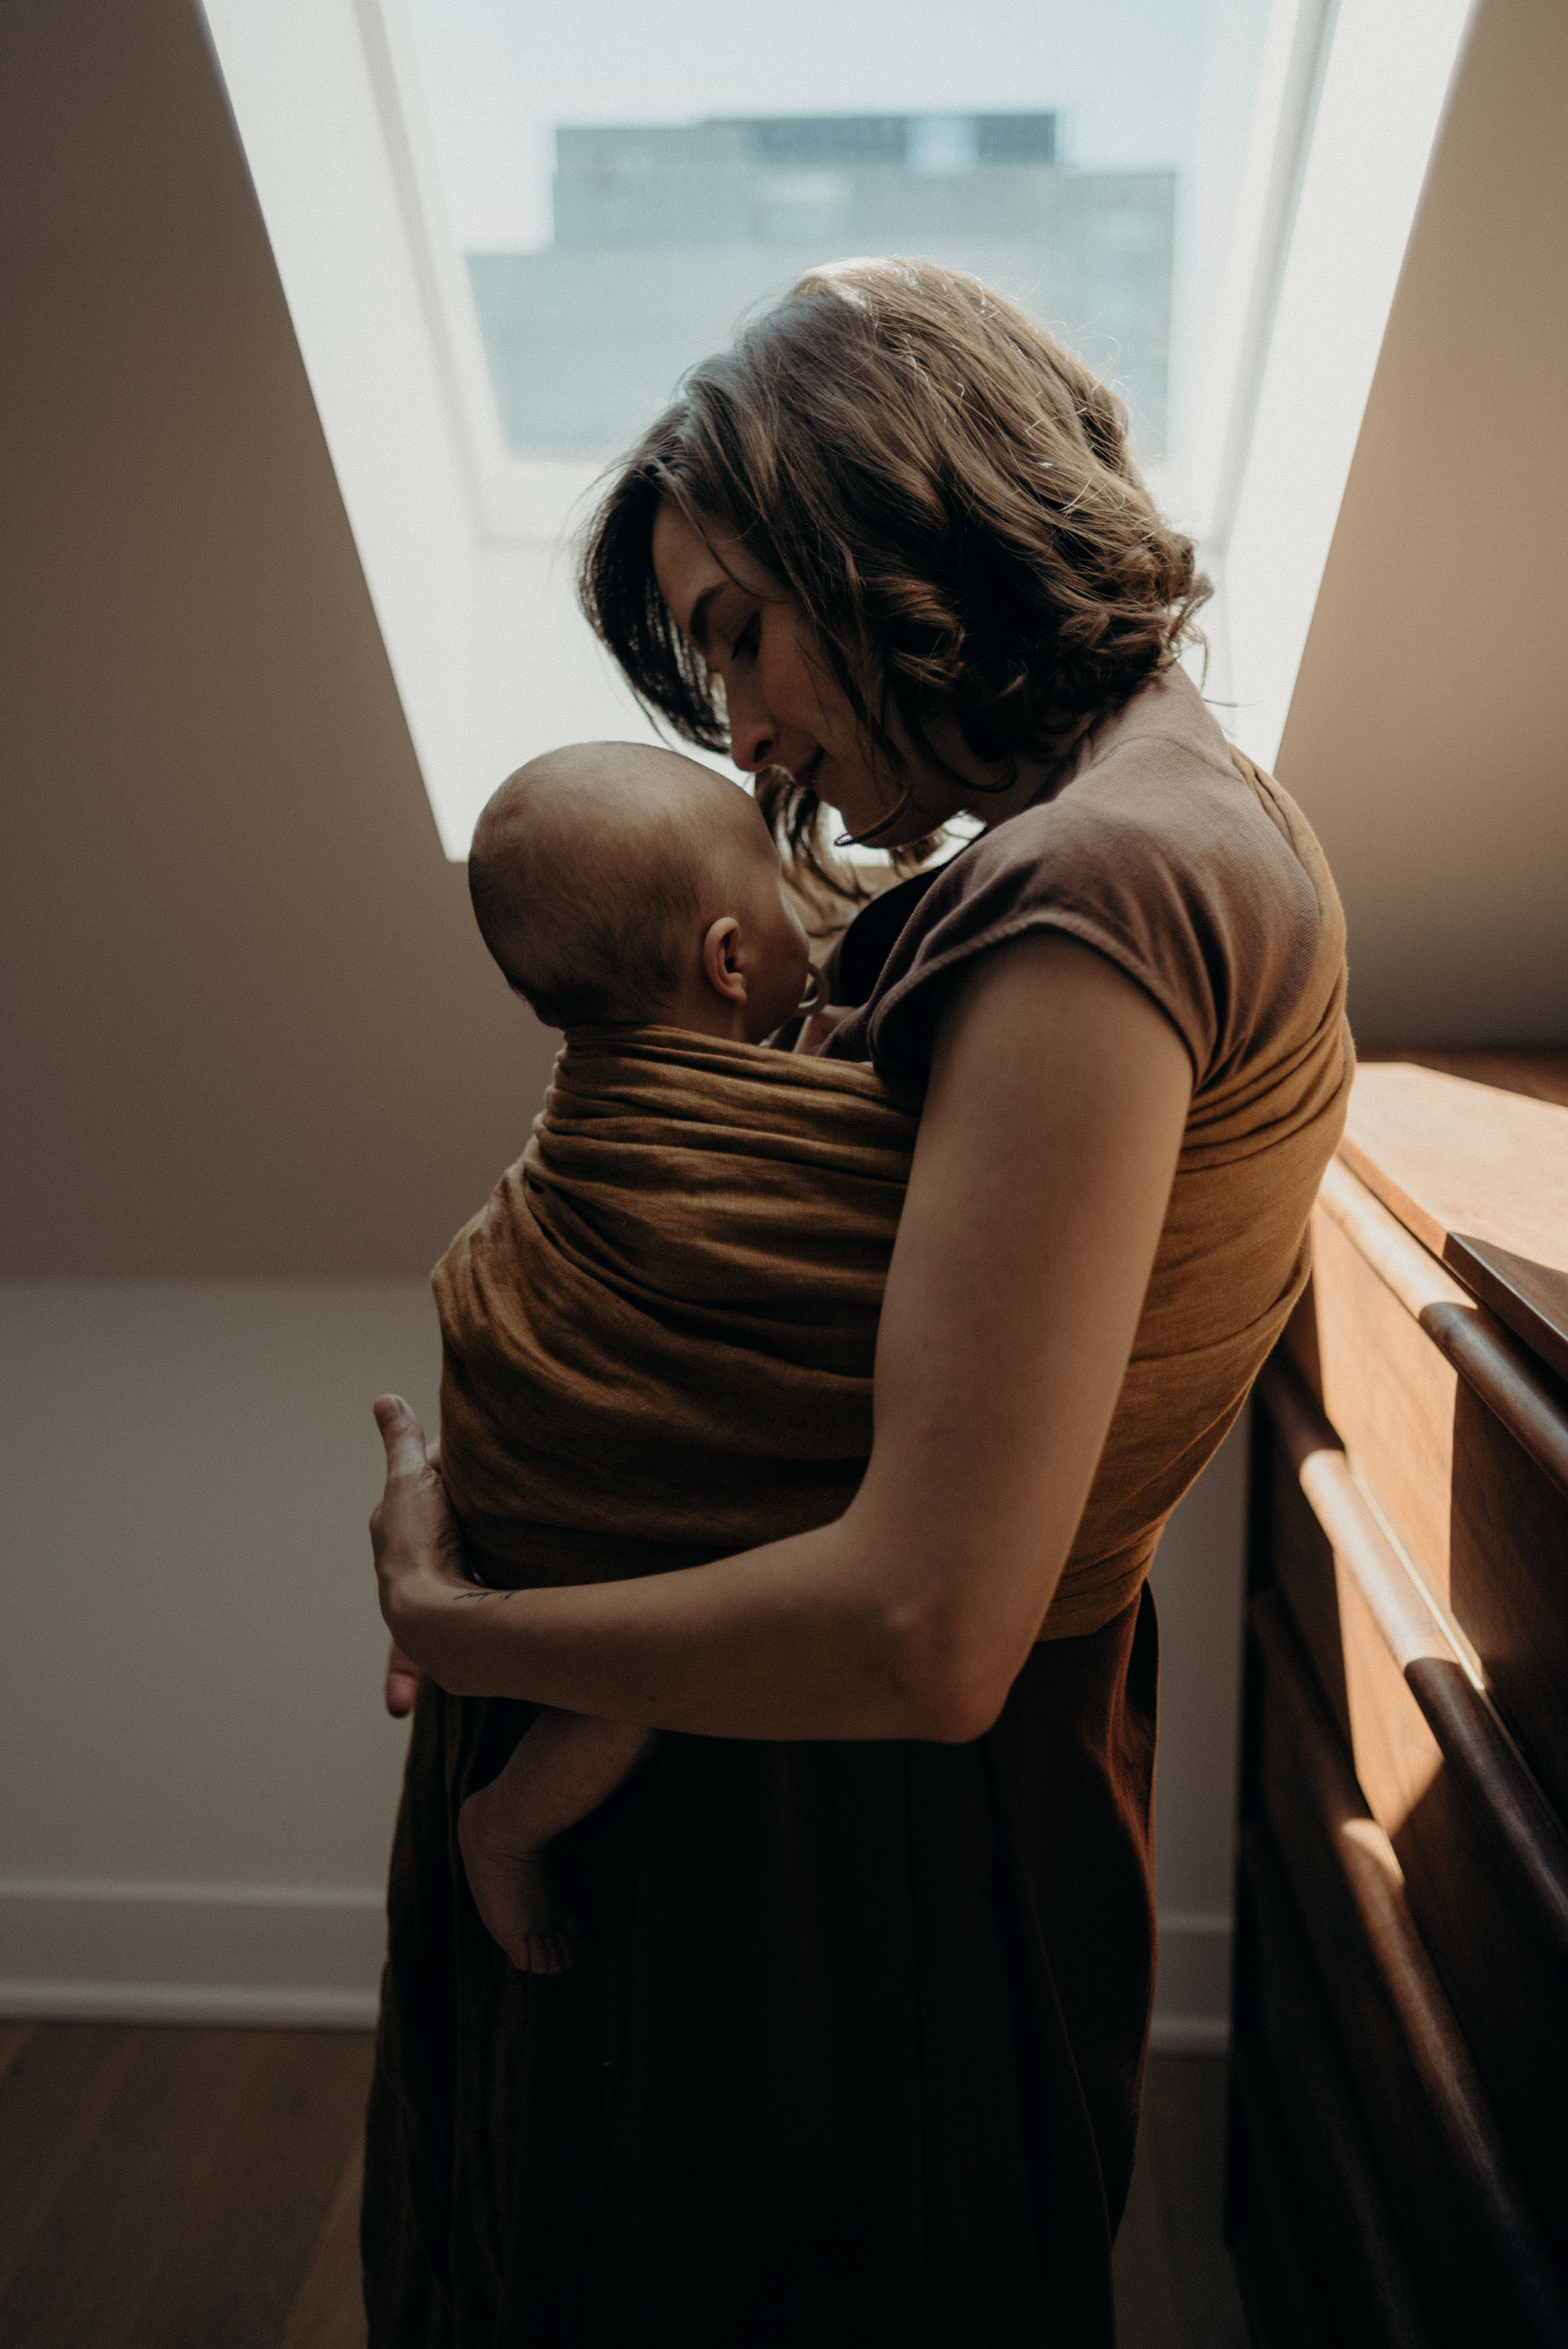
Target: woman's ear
column 721, row 959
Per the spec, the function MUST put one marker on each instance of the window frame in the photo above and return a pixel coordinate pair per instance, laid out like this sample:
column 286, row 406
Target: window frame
column 465, row 545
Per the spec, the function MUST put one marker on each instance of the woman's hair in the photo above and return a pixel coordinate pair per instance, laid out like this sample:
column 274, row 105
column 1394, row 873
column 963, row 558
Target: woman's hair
column 946, row 493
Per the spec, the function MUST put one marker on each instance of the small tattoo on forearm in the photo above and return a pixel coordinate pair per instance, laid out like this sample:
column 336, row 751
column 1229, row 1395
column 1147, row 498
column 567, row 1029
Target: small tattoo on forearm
column 481, row 1594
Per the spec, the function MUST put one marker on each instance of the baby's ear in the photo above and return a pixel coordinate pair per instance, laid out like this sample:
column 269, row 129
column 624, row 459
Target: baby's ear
column 721, row 959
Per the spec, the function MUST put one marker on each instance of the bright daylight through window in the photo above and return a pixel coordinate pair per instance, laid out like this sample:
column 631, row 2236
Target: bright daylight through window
column 505, row 233
column 627, row 183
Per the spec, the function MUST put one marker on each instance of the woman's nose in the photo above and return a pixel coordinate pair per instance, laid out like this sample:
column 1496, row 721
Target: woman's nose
column 753, row 736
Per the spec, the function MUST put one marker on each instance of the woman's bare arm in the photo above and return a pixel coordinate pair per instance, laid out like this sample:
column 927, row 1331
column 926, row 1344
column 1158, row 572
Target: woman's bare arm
column 1044, row 1163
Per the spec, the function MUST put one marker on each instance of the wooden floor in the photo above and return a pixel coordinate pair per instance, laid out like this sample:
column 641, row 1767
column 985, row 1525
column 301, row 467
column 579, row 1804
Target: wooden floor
column 1175, row 2288
column 180, row 2189
column 199, row 2190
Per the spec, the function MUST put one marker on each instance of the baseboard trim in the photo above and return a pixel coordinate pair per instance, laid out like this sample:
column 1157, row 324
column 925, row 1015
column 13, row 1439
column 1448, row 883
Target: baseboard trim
column 328, row 2010
column 1190, row 2035
column 233, row 2005
column 283, row 1956
column 308, row 1958
column 1192, row 1995
column 238, row 2007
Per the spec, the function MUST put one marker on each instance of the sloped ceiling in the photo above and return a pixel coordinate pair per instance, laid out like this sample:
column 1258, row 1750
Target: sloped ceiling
column 1428, row 738
column 250, row 1028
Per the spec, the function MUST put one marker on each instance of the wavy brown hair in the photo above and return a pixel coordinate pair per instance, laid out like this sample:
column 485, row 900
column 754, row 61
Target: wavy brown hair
column 948, row 495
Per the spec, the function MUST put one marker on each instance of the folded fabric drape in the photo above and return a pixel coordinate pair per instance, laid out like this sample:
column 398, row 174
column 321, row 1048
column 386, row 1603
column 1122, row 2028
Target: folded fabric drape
column 658, row 1333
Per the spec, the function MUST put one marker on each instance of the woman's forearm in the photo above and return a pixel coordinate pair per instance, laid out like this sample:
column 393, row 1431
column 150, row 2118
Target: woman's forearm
column 804, row 1637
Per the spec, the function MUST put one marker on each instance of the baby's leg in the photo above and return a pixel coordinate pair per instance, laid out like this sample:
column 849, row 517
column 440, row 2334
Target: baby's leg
column 566, row 1768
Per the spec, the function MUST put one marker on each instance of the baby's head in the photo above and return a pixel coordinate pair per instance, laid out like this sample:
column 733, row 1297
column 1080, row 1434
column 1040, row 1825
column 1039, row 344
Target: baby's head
column 614, row 881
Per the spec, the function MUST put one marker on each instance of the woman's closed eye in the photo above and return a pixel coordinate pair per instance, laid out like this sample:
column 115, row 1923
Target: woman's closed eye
column 745, row 642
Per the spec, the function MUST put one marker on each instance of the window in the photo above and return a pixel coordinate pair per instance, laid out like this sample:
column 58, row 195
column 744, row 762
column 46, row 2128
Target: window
column 663, row 236
column 1209, row 198
column 624, row 195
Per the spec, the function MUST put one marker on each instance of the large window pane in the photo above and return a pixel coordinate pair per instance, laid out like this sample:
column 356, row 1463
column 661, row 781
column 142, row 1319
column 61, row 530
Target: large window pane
column 664, row 236
column 627, row 183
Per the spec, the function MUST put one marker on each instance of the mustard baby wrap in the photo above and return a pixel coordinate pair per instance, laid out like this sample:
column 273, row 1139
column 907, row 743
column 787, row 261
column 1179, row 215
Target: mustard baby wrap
column 658, row 1333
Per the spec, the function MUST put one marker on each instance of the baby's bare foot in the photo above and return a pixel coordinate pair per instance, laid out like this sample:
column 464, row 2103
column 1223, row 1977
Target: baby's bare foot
column 516, row 1896
column 543, row 1936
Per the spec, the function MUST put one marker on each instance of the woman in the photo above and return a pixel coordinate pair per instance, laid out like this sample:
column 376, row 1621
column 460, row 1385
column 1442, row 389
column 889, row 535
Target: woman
column 860, row 2058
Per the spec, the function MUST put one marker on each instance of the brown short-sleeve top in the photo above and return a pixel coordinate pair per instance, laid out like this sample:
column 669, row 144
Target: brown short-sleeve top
column 1171, row 854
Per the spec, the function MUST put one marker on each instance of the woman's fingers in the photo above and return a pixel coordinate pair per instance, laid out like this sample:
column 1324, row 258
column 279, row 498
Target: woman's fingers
column 818, row 1026
column 402, row 1434
column 414, row 1539
column 402, row 1683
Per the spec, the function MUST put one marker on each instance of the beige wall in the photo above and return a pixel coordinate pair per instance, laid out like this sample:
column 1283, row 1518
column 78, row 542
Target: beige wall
column 1428, row 738
column 200, row 1780
column 250, row 1029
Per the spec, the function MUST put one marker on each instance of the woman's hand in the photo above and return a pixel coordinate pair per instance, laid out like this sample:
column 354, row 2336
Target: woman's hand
column 818, row 1026
column 417, row 1543
column 401, row 1691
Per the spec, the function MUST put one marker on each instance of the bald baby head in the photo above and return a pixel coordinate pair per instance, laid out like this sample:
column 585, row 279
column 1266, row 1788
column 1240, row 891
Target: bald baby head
column 595, row 869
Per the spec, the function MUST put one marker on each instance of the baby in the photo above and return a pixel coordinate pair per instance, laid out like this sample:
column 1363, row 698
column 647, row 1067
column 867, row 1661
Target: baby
column 613, row 883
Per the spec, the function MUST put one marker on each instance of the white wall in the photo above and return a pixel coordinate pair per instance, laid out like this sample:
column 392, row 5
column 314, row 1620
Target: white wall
column 1427, row 735
column 1380, row 85
column 1197, row 1580
column 201, row 1781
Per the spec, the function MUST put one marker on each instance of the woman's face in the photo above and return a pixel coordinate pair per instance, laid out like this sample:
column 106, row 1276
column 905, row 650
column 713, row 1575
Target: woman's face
column 784, row 709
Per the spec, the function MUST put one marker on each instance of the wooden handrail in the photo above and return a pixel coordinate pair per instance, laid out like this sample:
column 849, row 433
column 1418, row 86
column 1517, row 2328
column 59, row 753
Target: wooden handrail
column 1531, row 1404
column 1523, row 1835
column 1319, row 2079
column 1530, row 2310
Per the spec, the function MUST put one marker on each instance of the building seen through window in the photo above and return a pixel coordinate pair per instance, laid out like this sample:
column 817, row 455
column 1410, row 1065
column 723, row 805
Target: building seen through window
column 665, row 235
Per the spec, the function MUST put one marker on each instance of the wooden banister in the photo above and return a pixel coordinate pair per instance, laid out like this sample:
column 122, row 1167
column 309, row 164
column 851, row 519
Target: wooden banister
column 1524, row 1835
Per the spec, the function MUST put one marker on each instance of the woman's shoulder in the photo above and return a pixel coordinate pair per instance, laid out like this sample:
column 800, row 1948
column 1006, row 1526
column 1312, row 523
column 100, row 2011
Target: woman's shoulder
column 1161, row 851
column 1155, row 804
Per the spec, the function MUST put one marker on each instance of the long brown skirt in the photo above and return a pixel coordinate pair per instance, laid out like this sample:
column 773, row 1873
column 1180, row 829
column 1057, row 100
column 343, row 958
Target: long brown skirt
column 853, row 2061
